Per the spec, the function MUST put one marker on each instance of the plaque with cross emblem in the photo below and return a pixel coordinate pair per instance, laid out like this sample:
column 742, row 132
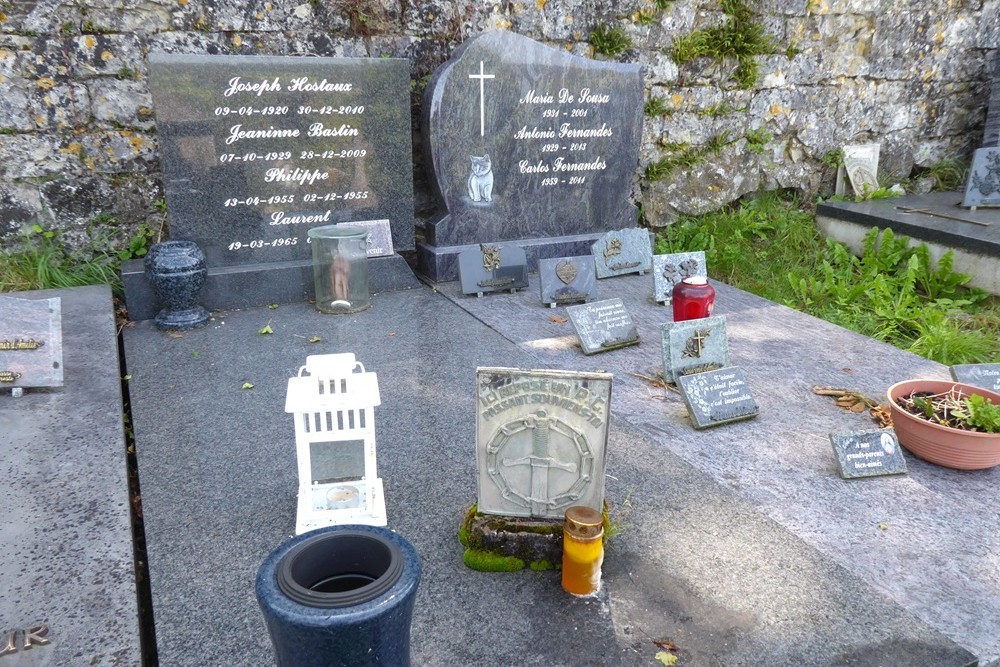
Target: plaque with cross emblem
column 540, row 440
column 694, row 346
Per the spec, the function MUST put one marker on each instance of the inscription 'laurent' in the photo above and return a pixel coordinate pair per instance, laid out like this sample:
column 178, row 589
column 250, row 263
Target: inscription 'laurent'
column 20, row 344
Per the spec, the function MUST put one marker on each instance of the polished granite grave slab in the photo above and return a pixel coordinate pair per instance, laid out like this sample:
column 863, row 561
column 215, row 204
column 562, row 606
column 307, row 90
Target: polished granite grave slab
column 701, row 560
column 66, row 562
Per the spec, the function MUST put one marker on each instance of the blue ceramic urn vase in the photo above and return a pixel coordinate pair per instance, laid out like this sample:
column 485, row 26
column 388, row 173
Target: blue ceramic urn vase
column 176, row 270
column 340, row 595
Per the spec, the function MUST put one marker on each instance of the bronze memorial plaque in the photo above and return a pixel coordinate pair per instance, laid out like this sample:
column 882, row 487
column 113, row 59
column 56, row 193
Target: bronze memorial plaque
column 30, row 343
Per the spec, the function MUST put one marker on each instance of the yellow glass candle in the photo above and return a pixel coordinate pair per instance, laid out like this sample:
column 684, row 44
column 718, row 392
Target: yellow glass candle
column 583, row 550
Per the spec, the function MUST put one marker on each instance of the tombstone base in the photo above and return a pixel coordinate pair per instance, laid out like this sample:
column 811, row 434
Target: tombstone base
column 234, row 287
column 440, row 263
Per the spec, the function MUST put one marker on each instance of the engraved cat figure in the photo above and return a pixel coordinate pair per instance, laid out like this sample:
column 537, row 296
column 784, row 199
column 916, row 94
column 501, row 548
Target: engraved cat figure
column 481, row 179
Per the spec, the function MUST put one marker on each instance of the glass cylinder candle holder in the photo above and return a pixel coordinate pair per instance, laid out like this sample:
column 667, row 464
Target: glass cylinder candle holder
column 340, row 268
column 583, row 550
column 693, row 298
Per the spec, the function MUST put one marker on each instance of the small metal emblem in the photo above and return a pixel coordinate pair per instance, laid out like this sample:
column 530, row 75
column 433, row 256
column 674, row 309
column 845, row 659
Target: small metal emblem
column 566, row 271
column 491, row 256
column 613, row 248
column 696, row 343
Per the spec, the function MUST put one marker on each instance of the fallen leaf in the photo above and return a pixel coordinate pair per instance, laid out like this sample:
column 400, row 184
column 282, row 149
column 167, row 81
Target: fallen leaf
column 666, row 644
column 315, row 339
column 175, row 334
column 266, row 329
column 666, row 658
column 391, row 333
column 883, row 526
column 195, row 353
column 557, row 319
column 858, row 407
column 272, row 306
column 127, row 378
column 247, row 385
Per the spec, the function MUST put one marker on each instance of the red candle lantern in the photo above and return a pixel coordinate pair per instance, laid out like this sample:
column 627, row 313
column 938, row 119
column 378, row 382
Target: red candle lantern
column 693, row 298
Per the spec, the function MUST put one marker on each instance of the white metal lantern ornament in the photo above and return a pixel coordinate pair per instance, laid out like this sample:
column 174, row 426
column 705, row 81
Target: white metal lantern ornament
column 333, row 402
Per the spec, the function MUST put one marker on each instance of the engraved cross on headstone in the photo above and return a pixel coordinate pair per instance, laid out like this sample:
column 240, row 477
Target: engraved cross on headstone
column 482, row 97
column 539, row 460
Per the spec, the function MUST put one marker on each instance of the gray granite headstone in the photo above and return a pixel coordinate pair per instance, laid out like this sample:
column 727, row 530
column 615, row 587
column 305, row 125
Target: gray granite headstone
column 31, row 349
column 566, row 280
column 717, row 397
column 492, row 268
column 541, row 437
column 868, row 453
column 603, row 325
column 528, row 142
column 694, row 346
column 257, row 150
column 983, row 186
column 623, row 251
column 668, row 270
column 379, row 236
column 986, row 376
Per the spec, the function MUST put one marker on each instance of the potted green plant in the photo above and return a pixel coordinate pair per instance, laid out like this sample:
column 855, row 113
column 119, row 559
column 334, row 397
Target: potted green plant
column 951, row 424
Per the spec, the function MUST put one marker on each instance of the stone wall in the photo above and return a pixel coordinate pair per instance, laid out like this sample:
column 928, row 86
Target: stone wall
column 78, row 137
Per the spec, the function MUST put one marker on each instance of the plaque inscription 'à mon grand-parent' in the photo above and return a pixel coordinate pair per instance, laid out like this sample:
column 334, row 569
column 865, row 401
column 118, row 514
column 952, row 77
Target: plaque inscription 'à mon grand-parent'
column 528, row 142
column 258, row 150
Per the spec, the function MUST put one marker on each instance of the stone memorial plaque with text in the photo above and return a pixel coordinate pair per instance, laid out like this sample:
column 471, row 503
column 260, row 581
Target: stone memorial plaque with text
column 529, row 142
column 541, row 437
column 258, row 150
column 868, row 453
column 31, row 350
column 668, row 270
column 986, row 376
column 623, row 251
column 566, row 280
column 717, row 397
column 603, row 325
column 379, row 236
column 492, row 268
column 694, row 346
column 983, row 186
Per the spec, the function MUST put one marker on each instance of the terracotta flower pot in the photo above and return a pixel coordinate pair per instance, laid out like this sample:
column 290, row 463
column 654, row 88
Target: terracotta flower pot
column 949, row 447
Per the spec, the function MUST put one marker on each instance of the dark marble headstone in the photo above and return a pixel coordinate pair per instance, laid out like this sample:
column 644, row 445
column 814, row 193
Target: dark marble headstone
column 566, row 280
column 986, row 376
column 694, row 346
column 603, row 325
column 668, row 270
column 717, row 397
column 492, row 268
column 991, row 135
column 379, row 236
column 257, row 150
column 623, row 251
column 868, row 453
column 527, row 142
column 31, row 349
column 983, row 186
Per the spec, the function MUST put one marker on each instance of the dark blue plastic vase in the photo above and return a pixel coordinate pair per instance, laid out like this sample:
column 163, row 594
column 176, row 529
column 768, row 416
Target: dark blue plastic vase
column 341, row 595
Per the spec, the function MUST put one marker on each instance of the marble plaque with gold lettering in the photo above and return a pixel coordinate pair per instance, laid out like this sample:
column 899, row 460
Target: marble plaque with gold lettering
column 30, row 343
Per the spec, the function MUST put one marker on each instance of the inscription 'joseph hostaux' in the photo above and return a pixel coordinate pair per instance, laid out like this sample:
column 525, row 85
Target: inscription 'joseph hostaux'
column 543, row 391
column 296, row 84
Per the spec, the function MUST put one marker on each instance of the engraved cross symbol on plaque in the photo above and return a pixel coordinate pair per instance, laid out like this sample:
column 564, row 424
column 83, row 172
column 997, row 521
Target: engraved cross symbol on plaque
column 539, row 460
column 482, row 99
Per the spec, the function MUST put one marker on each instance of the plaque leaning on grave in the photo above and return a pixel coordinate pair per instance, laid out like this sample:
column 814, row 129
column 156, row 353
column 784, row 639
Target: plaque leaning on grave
column 694, row 346
column 603, row 325
column 30, row 343
column 566, row 280
column 623, row 251
column 868, row 453
column 492, row 268
column 528, row 143
column 717, row 397
column 668, row 270
column 986, row 376
column 983, row 186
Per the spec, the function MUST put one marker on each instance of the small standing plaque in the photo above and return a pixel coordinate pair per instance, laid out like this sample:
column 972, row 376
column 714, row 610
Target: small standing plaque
column 622, row 252
column 492, row 268
column 566, row 280
column 983, row 186
column 603, row 325
column 379, row 236
column 668, row 270
column 717, row 397
column 868, row 453
column 694, row 346
column 986, row 376
column 30, row 343
column 861, row 165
